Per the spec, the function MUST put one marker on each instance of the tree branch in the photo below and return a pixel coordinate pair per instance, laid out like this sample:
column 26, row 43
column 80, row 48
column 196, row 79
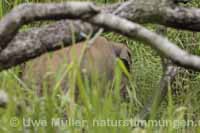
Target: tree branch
column 169, row 73
column 26, row 13
column 35, row 42
column 182, row 18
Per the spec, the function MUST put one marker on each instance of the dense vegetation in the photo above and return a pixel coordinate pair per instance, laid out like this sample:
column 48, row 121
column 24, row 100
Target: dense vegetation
column 182, row 102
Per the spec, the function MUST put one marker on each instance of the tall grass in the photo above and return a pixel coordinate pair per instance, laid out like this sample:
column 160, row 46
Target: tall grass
column 97, row 102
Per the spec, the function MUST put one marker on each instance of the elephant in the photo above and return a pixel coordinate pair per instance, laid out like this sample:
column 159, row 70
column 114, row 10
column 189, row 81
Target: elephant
column 99, row 57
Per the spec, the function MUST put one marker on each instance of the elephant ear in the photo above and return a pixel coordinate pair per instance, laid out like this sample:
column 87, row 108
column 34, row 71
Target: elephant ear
column 122, row 52
column 125, row 56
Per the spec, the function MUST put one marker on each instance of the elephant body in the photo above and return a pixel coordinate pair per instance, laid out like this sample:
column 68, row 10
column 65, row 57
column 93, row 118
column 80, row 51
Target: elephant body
column 99, row 58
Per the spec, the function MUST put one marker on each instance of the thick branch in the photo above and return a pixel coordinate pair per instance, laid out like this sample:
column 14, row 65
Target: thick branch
column 182, row 18
column 26, row 13
column 33, row 43
column 161, row 12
